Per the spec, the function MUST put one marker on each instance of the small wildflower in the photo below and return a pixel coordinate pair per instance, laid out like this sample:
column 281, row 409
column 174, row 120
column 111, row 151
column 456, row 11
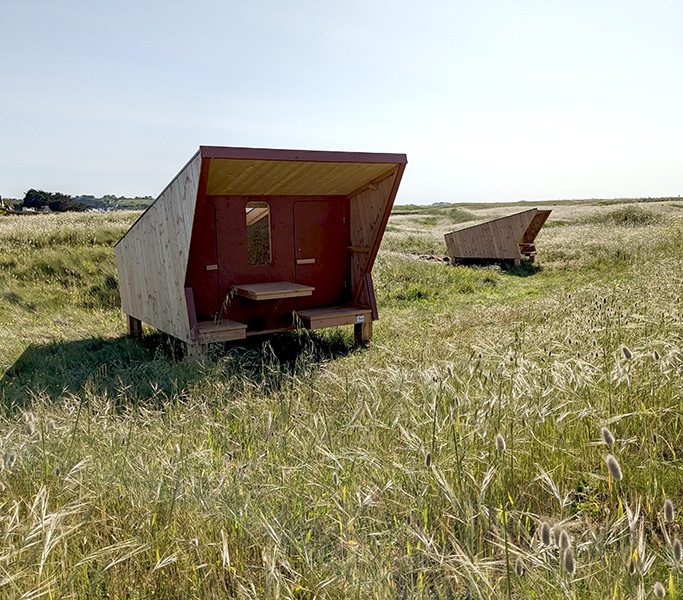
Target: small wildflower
column 428, row 460
column 668, row 510
column 614, row 468
column 607, row 436
column 335, row 479
column 563, row 540
column 500, row 443
column 677, row 550
column 659, row 590
column 519, row 566
column 626, row 351
column 568, row 560
column 545, row 534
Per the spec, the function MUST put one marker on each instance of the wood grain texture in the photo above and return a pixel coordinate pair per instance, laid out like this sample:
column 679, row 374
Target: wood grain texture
column 334, row 316
column 272, row 290
column 499, row 239
column 152, row 257
column 270, row 177
column 367, row 213
column 223, row 331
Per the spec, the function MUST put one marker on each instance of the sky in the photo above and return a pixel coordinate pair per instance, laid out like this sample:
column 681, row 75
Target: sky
column 491, row 100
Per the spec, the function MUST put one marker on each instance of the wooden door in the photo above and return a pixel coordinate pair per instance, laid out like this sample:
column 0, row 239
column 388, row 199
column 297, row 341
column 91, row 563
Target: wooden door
column 321, row 240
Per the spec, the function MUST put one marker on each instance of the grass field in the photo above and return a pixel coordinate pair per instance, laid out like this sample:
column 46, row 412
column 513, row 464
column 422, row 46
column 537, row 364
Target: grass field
column 460, row 455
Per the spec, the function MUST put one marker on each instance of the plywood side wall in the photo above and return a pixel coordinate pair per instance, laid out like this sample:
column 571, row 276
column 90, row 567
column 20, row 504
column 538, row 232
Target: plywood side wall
column 497, row 239
column 367, row 211
column 152, row 257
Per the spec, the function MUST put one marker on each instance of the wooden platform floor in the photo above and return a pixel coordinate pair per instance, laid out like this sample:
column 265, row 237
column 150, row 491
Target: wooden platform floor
column 223, row 331
column 333, row 316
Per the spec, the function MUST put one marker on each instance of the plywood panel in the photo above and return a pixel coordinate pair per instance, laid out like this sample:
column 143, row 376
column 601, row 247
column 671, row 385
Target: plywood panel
column 535, row 226
column 272, row 177
column 367, row 218
column 152, row 257
column 498, row 239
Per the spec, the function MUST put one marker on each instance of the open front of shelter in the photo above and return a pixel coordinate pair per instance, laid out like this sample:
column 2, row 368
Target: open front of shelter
column 249, row 241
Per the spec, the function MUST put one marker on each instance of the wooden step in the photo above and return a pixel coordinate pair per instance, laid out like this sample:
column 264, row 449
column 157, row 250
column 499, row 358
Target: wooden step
column 333, row 316
column 222, row 331
column 273, row 290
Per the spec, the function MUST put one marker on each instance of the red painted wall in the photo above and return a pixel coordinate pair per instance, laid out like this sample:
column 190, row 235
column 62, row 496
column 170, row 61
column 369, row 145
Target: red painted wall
column 302, row 227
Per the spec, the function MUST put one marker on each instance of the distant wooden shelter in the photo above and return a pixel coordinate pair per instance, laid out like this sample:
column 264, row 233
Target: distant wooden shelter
column 507, row 238
column 248, row 241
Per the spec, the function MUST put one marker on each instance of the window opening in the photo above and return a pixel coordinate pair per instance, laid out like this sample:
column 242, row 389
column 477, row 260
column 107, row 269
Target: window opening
column 258, row 233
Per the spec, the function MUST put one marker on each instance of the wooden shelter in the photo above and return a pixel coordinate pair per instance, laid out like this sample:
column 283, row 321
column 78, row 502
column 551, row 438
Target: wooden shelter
column 507, row 238
column 249, row 241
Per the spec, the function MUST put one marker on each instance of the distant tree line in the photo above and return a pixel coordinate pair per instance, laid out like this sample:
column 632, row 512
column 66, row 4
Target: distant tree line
column 59, row 202
column 56, row 201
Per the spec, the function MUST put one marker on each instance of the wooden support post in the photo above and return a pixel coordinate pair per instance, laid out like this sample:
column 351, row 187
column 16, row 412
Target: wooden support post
column 196, row 351
column 134, row 326
column 362, row 332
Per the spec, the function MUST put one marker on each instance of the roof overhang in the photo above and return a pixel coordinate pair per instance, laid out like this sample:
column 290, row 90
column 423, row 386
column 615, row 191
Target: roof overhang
column 268, row 172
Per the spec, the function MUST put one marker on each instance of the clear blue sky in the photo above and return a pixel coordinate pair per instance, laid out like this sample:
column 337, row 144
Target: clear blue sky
column 491, row 100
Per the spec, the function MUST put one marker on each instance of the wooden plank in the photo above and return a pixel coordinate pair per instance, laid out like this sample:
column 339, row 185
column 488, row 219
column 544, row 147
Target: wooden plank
column 273, row 290
column 152, row 257
column 361, row 249
column 305, row 261
column 334, row 316
column 285, row 178
column 362, row 332
column 535, row 226
column 222, row 331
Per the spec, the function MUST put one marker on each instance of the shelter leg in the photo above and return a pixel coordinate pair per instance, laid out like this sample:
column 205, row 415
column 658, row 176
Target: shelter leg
column 134, row 326
column 517, row 262
column 362, row 332
column 196, row 351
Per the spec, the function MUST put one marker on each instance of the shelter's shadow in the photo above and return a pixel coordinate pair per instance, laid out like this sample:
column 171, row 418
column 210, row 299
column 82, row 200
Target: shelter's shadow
column 525, row 269
column 126, row 369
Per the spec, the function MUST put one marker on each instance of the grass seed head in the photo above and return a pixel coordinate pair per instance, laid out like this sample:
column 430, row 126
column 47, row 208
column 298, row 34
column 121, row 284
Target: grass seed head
column 614, row 468
column 568, row 560
column 58, row 471
column 563, row 540
column 677, row 550
column 428, row 460
column 626, row 351
column 335, row 479
column 500, row 443
column 668, row 511
column 545, row 533
column 659, row 590
column 607, row 436
column 656, row 355
column 51, row 425
column 632, row 566
column 519, row 566
column 30, row 428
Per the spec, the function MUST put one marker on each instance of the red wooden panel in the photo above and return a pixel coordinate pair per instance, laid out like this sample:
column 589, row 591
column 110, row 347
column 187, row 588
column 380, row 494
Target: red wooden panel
column 321, row 234
column 204, row 283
